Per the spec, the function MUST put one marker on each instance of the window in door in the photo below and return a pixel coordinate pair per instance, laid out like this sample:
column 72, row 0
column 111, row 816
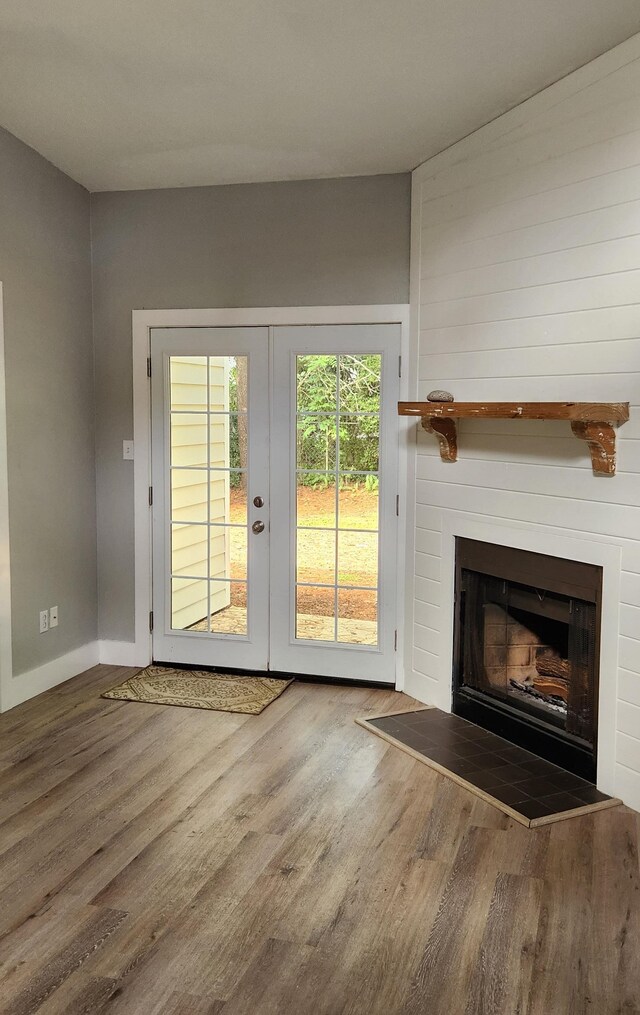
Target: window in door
column 337, row 480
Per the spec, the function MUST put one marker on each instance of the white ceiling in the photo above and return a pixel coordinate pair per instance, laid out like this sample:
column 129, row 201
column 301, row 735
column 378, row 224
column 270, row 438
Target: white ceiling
column 125, row 94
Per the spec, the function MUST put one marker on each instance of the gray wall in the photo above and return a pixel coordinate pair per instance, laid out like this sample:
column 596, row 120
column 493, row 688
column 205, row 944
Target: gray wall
column 46, row 272
column 324, row 242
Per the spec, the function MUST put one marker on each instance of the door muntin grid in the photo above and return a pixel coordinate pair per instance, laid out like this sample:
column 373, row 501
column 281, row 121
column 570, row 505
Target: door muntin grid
column 207, row 442
column 337, row 422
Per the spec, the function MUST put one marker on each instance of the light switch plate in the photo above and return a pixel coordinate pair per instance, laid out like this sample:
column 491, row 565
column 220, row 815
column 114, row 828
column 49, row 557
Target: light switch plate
column 127, row 451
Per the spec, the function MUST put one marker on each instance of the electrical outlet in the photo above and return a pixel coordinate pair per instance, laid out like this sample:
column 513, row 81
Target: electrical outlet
column 53, row 616
column 127, row 451
column 44, row 621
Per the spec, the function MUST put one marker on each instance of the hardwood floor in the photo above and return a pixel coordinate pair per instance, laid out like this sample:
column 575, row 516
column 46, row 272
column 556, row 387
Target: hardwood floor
column 176, row 861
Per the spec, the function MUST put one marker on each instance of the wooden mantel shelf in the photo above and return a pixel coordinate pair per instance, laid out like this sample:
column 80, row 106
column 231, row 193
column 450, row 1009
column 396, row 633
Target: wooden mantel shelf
column 592, row 422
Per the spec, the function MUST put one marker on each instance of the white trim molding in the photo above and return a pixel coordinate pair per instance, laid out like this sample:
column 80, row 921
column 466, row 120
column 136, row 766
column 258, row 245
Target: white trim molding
column 143, row 321
column 21, row 688
column 43, row 678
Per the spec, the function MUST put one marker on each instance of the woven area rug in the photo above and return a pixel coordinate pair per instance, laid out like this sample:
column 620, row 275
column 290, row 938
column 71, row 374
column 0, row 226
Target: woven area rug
column 220, row 692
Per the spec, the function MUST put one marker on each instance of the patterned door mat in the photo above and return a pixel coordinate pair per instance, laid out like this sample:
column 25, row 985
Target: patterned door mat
column 522, row 785
column 220, row 692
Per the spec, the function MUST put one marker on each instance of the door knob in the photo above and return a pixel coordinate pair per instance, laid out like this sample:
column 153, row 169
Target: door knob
column 257, row 527
column 258, row 502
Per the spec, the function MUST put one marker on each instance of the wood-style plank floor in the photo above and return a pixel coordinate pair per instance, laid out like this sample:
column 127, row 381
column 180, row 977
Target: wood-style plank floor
column 170, row 860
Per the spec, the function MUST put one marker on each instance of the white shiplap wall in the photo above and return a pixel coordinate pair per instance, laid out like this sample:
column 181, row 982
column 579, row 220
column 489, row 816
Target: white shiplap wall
column 526, row 285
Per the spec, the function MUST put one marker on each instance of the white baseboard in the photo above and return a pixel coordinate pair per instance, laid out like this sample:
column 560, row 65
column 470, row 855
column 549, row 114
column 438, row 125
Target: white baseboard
column 27, row 685
column 117, row 653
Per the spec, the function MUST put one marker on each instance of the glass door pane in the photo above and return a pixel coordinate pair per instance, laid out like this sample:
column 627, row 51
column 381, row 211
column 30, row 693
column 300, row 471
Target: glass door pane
column 208, row 426
column 337, row 482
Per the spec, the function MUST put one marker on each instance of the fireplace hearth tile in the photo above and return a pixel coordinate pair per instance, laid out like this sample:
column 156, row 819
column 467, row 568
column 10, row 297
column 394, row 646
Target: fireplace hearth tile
column 467, row 749
column 524, row 786
column 561, row 801
column 514, row 773
column 508, row 794
column 532, row 809
column 513, row 754
column 445, row 738
column 536, row 766
column 488, row 780
column 459, row 765
column 567, row 780
column 539, row 786
column 439, row 754
column 411, row 720
column 589, row 794
column 496, row 761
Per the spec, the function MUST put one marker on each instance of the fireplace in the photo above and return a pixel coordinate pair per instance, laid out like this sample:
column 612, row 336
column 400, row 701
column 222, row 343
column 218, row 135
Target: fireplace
column 526, row 650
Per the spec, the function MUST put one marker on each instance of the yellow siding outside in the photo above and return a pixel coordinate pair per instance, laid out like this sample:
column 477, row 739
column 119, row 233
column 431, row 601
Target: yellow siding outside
column 190, row 489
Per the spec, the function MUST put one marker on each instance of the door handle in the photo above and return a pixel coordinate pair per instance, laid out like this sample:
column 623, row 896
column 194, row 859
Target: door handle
column 257, row 527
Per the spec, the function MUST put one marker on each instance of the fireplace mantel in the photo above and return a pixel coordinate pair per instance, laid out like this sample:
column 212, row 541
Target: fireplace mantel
column 592, row 422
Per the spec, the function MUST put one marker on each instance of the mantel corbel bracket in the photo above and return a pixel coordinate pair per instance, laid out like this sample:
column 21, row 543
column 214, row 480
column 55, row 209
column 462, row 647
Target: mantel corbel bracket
column 447, row 433
column 601, row 440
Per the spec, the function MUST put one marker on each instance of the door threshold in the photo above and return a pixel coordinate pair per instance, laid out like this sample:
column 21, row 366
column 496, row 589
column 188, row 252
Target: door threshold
column 304, row 678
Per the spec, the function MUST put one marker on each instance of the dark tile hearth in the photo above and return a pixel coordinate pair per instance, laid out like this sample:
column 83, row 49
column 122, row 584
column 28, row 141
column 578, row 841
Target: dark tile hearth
column 513, row 777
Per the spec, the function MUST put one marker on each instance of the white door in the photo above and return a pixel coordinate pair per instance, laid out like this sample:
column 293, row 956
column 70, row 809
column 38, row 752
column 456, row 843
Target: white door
column 334, row 472
column 210, row 462
column 274, row 461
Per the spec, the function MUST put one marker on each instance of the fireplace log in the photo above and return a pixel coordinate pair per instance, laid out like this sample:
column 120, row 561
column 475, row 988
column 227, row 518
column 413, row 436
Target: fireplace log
column 551, row 686
column 553, row 675
column 549, row 665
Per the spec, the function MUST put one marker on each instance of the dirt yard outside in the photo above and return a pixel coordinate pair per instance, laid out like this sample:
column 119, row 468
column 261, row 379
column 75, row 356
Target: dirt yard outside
column 358, row 511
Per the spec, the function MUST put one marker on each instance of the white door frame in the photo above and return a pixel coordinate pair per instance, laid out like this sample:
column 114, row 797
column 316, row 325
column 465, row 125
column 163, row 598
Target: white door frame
column 144, row 321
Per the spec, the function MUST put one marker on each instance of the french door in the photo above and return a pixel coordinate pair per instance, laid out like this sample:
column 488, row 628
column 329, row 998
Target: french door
column 274, row 473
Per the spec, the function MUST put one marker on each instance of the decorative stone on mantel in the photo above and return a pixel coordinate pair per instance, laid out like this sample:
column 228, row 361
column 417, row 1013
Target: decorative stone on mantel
column 592, row 422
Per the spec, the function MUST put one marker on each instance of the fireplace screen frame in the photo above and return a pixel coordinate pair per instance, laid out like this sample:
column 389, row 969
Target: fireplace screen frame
column 575, row 750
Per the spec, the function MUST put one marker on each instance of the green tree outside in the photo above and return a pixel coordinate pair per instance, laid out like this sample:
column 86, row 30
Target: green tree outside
column 323, row 435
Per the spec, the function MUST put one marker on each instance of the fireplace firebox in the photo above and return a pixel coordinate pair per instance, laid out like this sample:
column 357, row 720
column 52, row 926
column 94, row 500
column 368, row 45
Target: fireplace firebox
column 526, row 650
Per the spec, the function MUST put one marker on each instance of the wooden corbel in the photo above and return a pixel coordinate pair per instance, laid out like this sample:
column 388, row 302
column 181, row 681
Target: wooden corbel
column 601, row 439
column 447, row 434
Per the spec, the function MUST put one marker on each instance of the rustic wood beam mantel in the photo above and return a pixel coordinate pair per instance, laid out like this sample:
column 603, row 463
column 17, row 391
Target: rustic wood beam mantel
column 592, row 422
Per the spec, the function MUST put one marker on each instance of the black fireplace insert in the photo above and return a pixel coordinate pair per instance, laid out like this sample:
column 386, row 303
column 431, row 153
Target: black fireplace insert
column 526, row 650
